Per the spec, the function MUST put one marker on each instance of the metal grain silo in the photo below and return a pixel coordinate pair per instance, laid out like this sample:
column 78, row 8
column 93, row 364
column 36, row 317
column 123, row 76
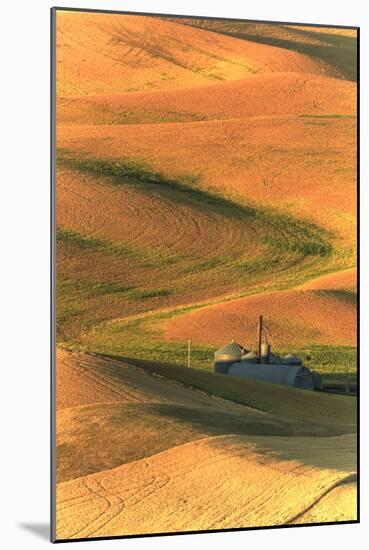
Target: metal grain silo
column 226, row 356
column 264, row 353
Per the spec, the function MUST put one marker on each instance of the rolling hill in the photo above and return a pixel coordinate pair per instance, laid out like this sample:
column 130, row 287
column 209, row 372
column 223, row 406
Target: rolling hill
column 231, row 489
column 106, row 481
column 335, row 48
column 206, row 173
column 123, row 53
column 294, row 317
column 248, row 97
column 166, row 186
column 254, row 161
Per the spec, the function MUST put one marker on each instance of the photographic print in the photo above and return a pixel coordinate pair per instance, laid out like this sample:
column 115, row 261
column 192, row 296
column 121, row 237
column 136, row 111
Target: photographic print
column 205, row 189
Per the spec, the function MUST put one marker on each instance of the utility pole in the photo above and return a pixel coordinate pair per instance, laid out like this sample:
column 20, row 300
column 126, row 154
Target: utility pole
column 189, row 354
column 260, row 331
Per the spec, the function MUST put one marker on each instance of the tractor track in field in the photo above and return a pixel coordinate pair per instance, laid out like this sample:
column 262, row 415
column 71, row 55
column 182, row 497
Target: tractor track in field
column 142, row 218
column 248, row 488
column 169, row 223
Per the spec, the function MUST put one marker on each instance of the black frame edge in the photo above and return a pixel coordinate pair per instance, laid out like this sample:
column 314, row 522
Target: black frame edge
column 358, row 282
column 53, row 274
column 210, row 532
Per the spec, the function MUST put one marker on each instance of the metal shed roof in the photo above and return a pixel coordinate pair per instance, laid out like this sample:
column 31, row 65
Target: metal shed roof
column 251, row 356
column 289, row 358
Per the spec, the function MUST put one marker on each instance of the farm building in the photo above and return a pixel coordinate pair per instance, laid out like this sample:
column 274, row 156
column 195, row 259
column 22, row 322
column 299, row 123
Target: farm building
column 264, row 365
column 289, row 375
column 226, row 356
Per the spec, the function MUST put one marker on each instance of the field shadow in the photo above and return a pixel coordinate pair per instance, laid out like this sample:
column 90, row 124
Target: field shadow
column 156, row 427
column 333, row 453
column 41, row 530
column 337, row 50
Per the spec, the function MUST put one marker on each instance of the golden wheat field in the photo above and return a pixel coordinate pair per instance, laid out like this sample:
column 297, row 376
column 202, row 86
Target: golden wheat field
column 206, row 175
column 205, row 462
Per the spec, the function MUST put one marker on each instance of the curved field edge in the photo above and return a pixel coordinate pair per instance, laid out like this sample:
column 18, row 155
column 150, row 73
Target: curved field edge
column 217, row 486
column 294, row 248
column 233, row 487
column 289, row 163
column 292, row 317
column 340, row 503
column 134, row 53
column 95, row 431
column 305, row 238
column 147, row 336
column 140, row 339
column 270, row 398
column 327, row 97
column 337, row 51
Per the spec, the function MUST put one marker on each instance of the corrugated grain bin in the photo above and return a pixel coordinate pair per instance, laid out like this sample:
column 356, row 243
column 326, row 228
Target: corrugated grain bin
column 265, row 352
column 226, row 356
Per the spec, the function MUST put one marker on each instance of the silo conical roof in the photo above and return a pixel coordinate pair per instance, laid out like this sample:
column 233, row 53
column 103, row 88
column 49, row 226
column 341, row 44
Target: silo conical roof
column 243, row 350
column 228, row 352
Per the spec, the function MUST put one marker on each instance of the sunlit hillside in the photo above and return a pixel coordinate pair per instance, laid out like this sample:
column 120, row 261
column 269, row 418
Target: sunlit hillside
column 105, row 53
column 207, row 155
column 128, row 440
column 206, row 174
